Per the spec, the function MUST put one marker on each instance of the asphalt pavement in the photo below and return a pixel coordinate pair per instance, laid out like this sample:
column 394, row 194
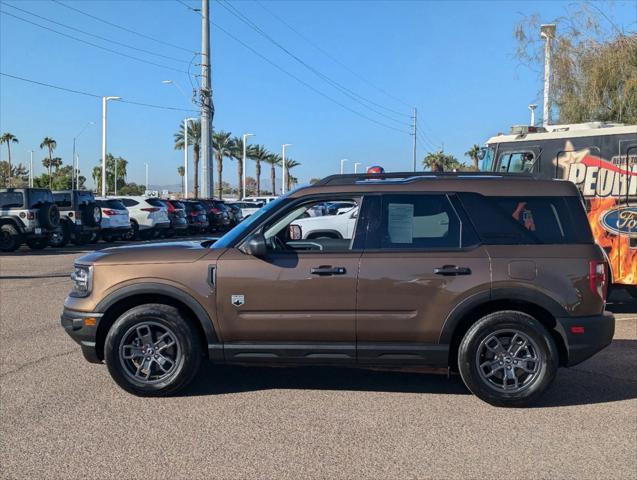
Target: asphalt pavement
column 61, row 417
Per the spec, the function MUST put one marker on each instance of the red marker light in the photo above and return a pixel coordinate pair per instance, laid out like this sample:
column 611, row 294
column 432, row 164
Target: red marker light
column 577, row 329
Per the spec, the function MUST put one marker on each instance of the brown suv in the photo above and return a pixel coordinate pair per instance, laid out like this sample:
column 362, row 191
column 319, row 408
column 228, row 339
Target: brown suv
column 496, row 277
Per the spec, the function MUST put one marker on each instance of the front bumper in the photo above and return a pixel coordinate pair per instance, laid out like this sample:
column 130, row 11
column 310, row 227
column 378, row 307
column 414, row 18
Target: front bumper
column 75, row 325
column 597, row 333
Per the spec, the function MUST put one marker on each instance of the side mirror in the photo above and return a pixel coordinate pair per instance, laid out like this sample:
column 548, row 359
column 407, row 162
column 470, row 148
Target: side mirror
column 256, row 246
column 294, row 232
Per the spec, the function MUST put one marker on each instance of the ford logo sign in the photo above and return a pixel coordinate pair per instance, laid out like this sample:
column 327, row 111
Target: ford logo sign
column 621, row 220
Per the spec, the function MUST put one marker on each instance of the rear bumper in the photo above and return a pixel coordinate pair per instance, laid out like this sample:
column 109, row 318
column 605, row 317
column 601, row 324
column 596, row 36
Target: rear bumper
column 597, row 334
column 73, row 323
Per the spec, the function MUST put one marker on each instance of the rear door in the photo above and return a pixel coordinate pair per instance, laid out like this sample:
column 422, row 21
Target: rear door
column 421, row 260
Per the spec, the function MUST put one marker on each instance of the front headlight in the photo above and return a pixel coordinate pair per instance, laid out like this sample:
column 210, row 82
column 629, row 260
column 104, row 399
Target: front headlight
column 82, row 279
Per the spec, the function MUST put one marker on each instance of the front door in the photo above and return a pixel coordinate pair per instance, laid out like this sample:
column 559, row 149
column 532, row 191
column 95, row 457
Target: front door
column 421, row 261
column 298, row 301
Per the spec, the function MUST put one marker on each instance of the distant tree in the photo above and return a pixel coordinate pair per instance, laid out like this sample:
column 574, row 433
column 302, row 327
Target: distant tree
column 122, row 172
column 18, row 174
column 55, row 163
column 51, row 145
column 291, row 180
column 472, row 153
column 237, row 155
column 8, row 138
column 274, row 159
column 62, row 179
column 593, row 65
column 258, row 153
column 182, row 172
column 251, row 186
column 225, row 188
column 314, row 181
column 132, row 189
column 441, row 162
column 194, row 139
column 222, row 146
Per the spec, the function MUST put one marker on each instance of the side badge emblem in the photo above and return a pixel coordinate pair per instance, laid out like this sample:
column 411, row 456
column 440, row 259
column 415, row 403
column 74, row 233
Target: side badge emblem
column 237, row 300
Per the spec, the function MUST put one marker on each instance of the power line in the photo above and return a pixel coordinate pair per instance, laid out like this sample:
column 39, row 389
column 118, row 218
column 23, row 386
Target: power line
column 189, row 7
column 92, row 44
column 95, row 36
column 346, row 91
column 311, row 87
column 94, row 95
column 121, row 27
column 334, row 59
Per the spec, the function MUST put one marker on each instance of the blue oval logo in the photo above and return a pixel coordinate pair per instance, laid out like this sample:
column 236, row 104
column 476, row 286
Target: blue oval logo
column 621, row 220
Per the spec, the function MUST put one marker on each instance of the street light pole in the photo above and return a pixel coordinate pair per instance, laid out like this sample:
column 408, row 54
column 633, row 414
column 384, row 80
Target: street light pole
column 343, row 160
column 243, row 179
column 284, row 180
column 146, row 186
column 356, row 164
column 547, row 32
column 104, row 101
column 186, row 120
column 76, row 176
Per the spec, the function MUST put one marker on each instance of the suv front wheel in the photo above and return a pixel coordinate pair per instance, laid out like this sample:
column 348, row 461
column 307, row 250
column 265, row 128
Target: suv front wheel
column 507, row 359
column 10, row 238
column 151, row 350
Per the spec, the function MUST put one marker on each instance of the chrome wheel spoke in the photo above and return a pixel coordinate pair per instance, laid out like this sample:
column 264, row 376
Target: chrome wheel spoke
column 164, row 341
column 494, row 367
column 164, row 363
column 524, row 365
column 131, row 351
column 144, row 369
column 493, row 344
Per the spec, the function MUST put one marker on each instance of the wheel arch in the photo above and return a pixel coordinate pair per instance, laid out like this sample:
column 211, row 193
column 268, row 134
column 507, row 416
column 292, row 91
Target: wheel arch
column 539, row 306
column 12, row 220
column 125, row 298
column 333, row 234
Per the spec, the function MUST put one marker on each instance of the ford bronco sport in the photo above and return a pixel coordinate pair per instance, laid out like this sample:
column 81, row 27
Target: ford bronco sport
column 497, row 278
column 27, row 215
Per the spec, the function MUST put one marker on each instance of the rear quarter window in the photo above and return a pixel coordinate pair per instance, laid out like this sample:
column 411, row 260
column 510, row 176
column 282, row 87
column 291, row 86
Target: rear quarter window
column 111, row 203
column 155, row 202
column 62, row 199
column 129, row 202
column 38, row 197
column 527, row 219
column 11, row 200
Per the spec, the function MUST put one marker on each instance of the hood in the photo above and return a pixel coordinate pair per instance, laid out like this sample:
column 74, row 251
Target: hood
column 160, row 252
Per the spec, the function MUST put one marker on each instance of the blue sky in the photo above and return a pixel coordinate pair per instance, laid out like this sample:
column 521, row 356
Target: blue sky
column 452, row 60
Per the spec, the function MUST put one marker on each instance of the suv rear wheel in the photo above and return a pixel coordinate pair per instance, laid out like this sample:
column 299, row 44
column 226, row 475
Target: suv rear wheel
column 60, row 236
column 507, row 359
column 151, row 350
column 38, row 243
column 10, row 238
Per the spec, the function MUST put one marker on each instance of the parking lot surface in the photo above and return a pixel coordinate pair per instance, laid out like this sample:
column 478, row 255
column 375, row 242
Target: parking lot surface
column 61, row 417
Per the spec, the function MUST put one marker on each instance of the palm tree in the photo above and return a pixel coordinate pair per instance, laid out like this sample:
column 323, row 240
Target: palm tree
column 472, row 153
column 9, row 138
column 237, row 154
column 51, row 145
column 122, row 167
column 55, row 162
column 223, row 147
column 441, row 162
column 181, row 171
column 258, row 153
column 273, row 159
column 194, row 139
column 289, row 165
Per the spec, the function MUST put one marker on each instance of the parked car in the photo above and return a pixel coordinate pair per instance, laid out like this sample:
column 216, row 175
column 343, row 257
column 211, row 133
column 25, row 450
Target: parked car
column 247, row 208
column 326, row 226
column 115, row 219
column 177, row 215
column 80, row 218
column 27, row 215
column 263, row 200
column 196, row 215
column 217, row 212
column 148, row 217
column 235, row 214
column 494, row 276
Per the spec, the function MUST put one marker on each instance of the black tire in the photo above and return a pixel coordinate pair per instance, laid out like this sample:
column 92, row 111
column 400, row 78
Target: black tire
column 38, row 243
column 540, row 343
column 187, row 360
column 91, row 215
column 133, row 233
column 10, row 238
column 59, row 237
column 49, row 216
column 94, row 237
column 147, row 234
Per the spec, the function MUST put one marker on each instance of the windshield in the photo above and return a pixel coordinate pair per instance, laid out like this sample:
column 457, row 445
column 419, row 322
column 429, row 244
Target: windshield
column 237, row 232
column 486, row 159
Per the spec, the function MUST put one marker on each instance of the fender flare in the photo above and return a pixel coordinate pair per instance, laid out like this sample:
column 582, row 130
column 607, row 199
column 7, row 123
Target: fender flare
column 528, row 295
column 169, row 291
column 14, row 220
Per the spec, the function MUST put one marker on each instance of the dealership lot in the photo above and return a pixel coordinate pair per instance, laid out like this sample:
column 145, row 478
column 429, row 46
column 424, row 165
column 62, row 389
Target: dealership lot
column 61, row 416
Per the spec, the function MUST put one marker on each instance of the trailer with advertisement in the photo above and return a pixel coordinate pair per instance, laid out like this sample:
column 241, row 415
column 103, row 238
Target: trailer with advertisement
column 601, row 159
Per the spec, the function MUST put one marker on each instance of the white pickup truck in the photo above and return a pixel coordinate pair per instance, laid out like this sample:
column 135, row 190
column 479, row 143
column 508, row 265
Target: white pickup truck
column 340, row 225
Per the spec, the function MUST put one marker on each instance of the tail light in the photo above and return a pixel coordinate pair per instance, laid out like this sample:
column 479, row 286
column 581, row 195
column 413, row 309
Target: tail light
column 78, row 214
column 194, row 213
column 109, row 213
column 150, row 209
column 598, row 278
column 215, row 210
column 30, row 215
column 171, row 207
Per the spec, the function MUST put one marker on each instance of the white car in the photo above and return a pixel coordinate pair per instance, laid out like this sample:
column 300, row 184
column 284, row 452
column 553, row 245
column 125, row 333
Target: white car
column 115, row 222
column 247, row 208
column 148, row 216
column 261, row 200
column 327, row 226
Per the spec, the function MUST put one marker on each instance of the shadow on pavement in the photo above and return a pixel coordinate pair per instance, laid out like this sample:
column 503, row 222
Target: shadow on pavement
column 607, row 377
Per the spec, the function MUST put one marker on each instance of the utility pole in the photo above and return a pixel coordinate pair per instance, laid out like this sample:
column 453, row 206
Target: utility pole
column 207, row 110
column 414, row 134
column 547, row 32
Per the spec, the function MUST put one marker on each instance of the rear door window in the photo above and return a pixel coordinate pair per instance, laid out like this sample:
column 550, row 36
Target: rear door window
column 527, row 219
column 11, row 200
column 38, row 197
column 62, row 200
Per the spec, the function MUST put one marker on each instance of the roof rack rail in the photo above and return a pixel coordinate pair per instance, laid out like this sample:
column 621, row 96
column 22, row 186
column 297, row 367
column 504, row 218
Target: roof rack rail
column 352, row 178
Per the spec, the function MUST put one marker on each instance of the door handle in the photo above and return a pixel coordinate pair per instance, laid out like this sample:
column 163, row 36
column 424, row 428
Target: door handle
column 449, row 270
column 326, row 270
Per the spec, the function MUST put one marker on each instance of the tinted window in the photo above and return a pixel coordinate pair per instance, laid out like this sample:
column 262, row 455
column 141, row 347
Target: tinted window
column 527, row 220
column 178, row 205
column 62, row 199
column 11, row 199
column 155, row 202
column 414, row 222
column 84, row 197
column 129, row 202
column 111, row 203
column 38, row 197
